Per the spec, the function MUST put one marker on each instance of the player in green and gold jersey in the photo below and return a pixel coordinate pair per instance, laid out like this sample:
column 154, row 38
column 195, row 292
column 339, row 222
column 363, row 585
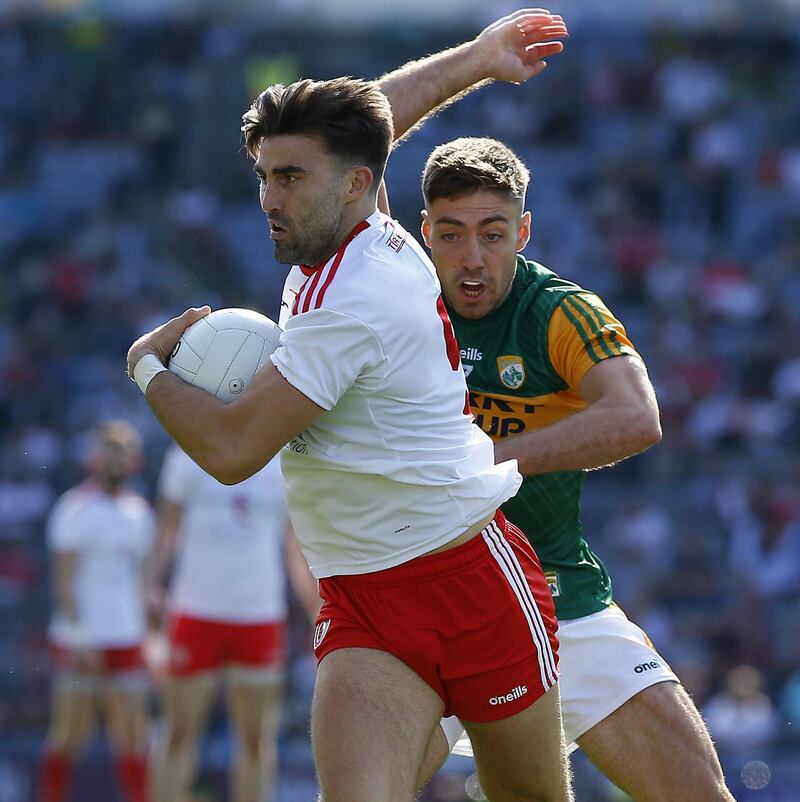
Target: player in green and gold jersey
column 556, row 382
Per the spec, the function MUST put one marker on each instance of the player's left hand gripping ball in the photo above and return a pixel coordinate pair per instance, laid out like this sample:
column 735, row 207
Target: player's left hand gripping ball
column 160, row 341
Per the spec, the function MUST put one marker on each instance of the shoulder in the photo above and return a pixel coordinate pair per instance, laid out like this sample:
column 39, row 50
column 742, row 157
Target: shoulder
column 76, row 499
column 537, row 278
column 380, row 265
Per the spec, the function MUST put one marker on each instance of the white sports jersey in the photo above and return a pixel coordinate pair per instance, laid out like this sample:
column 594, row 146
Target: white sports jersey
column 112, row 535
column 394, row 468
column 230, row 552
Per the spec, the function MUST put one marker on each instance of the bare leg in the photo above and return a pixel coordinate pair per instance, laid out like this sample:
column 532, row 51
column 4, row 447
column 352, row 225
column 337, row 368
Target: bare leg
column 73, row 719
column 187, row 702
column 72, row 723
column 127, row 727
column 523, row 758
column 371, row 721
column 254, row 709
column 435, row 755
column 656, row 748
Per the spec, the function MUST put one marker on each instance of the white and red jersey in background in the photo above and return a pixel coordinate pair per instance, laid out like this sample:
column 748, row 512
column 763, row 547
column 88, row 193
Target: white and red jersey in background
column 230, row 564
column 112, row 536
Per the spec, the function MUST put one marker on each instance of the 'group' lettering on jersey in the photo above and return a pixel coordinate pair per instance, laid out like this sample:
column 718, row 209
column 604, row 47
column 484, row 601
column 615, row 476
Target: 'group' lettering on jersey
column 394, row 468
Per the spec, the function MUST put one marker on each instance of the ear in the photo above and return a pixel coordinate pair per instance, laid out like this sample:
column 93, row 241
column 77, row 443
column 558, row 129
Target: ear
column 425, row 228
column 359, row 182
column 524, row 231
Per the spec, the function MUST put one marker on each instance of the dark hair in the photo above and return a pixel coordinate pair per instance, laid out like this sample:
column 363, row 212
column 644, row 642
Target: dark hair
column 471, row 164
column 352, row 117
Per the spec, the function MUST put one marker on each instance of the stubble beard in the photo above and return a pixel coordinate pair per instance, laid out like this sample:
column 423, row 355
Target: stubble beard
column 319, row 235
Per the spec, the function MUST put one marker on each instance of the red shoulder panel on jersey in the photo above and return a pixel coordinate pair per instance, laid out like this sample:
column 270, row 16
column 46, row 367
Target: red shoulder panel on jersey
column 309, row 288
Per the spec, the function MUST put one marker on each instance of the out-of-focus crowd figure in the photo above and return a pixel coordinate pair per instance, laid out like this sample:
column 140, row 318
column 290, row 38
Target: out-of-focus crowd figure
column 666, row 171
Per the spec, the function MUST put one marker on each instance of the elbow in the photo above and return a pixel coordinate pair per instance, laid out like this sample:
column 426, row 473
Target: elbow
column 224, row 467
column 647, row 430
column 233, row 467
column 229, row 473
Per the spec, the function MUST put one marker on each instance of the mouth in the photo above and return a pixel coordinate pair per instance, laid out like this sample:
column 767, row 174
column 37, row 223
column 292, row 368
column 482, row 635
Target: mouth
column 276, row 231
column 472, row 290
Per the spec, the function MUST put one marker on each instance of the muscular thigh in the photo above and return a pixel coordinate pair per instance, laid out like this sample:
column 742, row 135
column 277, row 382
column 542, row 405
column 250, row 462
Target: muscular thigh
column 657, row 749
column 254, row 706
column 523, row 757
column 187, row 701
column 371, row 720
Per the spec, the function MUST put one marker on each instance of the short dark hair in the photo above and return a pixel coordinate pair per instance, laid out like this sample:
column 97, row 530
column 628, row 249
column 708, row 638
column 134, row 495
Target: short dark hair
column 351, row 116
column 471, row 164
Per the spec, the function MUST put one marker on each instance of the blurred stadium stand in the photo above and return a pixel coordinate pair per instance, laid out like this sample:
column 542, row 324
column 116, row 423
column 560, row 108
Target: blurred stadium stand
column 666, row 160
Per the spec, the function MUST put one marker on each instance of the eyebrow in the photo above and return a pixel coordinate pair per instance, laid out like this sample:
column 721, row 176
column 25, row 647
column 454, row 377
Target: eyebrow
column 288, row 170
column 451, row 221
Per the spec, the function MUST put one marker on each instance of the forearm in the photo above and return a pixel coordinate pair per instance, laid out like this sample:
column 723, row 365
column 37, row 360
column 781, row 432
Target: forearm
column 197, row 421
column 64, row 593
column 420, row 87
column 596, row 437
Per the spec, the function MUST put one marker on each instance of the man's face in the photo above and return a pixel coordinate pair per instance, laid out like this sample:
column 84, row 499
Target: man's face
column 113, row 462
column 301, row 188
column 474, row 242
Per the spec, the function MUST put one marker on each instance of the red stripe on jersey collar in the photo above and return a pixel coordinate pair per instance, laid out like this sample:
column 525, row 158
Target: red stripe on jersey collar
column 309, row 270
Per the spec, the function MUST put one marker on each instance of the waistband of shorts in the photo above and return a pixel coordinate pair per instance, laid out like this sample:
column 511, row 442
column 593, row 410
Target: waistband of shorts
column 427, row 566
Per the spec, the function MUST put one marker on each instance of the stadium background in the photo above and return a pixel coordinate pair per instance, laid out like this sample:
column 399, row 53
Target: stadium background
column 666, row 160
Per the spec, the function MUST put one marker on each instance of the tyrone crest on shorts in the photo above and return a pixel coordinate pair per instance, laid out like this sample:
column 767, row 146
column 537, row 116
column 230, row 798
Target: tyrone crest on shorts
column 320, row 631
column 511, row 370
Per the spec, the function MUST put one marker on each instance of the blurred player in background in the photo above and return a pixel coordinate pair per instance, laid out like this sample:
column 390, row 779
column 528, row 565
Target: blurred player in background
column 393, row 491
column 556, row 382
column 227, row 618
column 100, row 534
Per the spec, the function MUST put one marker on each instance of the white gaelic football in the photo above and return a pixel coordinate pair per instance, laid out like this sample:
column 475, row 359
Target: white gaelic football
column 222, row 351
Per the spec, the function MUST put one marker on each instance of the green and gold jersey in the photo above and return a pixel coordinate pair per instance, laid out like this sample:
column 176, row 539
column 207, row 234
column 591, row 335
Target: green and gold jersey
column 524, row 364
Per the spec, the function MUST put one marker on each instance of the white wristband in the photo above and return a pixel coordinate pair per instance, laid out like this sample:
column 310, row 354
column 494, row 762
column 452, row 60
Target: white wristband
column 147, row 367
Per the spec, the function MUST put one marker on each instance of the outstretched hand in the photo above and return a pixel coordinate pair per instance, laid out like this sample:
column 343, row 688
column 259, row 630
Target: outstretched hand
column 515, row 46
column 160, row 341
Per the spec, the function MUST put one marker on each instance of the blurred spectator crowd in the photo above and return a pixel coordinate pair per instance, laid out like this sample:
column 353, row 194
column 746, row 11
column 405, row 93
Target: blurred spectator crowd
column 666, row 178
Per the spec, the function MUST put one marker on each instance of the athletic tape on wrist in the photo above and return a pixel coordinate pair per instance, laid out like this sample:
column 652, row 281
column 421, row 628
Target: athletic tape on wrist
column 147, row 367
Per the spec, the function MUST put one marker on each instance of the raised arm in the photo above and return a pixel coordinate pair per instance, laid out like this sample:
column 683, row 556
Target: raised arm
column 511, row 49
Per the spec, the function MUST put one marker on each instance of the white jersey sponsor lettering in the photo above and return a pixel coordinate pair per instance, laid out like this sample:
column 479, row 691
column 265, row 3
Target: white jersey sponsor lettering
column 230, row 552
column 111, row 535
column 394, row 468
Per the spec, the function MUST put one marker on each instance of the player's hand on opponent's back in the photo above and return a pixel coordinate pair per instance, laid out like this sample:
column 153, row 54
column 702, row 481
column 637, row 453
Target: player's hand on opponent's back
column 515, row 46
column 161, row 340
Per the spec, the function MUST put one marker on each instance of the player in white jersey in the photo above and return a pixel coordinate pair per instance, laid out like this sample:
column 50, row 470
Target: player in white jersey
column 227, row 614
column 391, row 489
column 100, row 534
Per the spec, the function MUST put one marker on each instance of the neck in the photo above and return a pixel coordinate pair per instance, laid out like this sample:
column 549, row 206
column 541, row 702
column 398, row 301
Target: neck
column 351, row 217
column 109, row 484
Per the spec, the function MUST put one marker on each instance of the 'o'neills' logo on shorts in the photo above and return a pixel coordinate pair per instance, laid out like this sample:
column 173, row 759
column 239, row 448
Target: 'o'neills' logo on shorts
column 520, row 690
column 320, row 631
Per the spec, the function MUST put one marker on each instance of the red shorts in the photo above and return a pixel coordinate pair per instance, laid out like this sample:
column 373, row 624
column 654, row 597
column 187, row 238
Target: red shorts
column 476, row 622
column 118, row 660
column 198, row 645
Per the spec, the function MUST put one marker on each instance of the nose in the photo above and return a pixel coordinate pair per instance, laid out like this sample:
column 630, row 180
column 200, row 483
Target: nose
column 471, row 257
column 269, row 199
